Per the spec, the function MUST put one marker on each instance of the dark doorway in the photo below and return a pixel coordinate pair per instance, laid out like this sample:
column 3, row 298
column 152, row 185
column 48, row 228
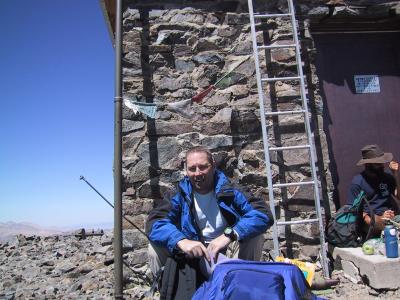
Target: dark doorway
column 355, row 116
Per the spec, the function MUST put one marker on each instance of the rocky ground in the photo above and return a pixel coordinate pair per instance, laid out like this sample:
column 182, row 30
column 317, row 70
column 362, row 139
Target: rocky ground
column 347, row 289
column 69, row 267
column 65, row 267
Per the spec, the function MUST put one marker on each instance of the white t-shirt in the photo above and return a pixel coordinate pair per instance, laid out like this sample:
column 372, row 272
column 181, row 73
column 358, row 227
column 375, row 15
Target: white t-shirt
column 209, row 218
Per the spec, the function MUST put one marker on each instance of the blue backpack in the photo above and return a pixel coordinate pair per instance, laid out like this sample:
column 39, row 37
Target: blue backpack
column 249, row 280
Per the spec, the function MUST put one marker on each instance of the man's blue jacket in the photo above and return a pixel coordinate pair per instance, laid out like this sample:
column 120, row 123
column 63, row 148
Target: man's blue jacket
column 172, row 219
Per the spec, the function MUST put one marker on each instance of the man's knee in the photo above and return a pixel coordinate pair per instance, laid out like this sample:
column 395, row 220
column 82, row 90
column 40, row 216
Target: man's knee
column 157, row 257
column 251, row 249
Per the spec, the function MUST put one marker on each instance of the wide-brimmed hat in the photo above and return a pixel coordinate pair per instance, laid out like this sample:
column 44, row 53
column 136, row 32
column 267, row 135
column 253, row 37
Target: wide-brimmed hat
column 372, row 154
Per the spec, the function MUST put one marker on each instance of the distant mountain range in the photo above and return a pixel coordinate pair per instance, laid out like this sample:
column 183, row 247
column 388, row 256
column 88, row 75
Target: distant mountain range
column 10, row 229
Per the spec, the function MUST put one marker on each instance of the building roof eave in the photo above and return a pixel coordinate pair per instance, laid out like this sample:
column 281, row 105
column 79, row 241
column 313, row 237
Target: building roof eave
column 108, row 9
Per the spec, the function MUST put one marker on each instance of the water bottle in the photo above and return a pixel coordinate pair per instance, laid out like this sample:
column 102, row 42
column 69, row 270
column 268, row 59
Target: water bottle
column 391, row 244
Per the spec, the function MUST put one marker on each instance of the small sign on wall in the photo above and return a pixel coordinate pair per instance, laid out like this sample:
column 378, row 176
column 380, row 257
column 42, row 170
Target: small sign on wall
column 367, row 84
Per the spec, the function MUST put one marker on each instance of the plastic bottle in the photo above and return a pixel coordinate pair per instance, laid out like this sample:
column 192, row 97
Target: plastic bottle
column 391, row 243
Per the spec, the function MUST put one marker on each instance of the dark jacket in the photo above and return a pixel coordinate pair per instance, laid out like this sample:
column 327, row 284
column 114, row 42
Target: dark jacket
column 379, row 189
column 172, row 219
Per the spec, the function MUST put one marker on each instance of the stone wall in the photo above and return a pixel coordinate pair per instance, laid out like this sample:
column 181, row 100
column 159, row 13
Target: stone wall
column 174, row 49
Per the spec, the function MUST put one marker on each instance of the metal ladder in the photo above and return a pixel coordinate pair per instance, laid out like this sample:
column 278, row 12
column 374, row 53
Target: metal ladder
column 304, row 111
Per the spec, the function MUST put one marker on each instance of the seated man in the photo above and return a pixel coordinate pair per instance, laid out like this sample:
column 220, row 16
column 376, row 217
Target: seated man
column 204, row 215
column 380, row 187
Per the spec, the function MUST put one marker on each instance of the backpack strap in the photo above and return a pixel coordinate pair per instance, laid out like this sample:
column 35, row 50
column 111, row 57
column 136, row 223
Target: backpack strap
column 156, row 283
column 372, row 215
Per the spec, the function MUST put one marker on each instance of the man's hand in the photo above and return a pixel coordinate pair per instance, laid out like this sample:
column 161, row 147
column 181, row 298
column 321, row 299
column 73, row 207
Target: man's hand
column 388, row 214
column 218, row 244
column 193, row 248
column 394, row 167
column 380, row 221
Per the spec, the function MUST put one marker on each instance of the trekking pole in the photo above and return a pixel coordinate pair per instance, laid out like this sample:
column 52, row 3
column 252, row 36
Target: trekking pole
column 130, row 222
column 109, row 203
column 393, row 222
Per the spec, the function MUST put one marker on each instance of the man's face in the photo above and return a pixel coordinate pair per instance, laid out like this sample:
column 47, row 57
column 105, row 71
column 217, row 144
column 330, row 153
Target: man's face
column 376, row 168
column 200, row 172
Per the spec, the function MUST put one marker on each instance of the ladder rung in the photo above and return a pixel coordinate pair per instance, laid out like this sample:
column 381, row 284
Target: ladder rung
column 287, row 112
column 276, row 46
column 271, row 15
column 267, row 79
column 297, row 222
column 280, row 78
column 293, row 183
column 289, row 147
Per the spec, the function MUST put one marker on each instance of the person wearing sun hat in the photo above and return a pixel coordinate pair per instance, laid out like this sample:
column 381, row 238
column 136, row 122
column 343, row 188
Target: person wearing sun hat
column 379, row 186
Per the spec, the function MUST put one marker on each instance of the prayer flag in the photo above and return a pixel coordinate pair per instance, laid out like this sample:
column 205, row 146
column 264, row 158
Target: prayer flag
column 148, row 109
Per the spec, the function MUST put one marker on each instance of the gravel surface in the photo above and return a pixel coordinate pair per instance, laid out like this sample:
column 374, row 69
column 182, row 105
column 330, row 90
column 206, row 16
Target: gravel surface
column 66, row 267
column 346, row 289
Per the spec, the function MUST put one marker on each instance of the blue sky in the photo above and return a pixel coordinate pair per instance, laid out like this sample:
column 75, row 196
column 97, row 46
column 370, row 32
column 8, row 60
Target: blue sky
column 57, row 112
